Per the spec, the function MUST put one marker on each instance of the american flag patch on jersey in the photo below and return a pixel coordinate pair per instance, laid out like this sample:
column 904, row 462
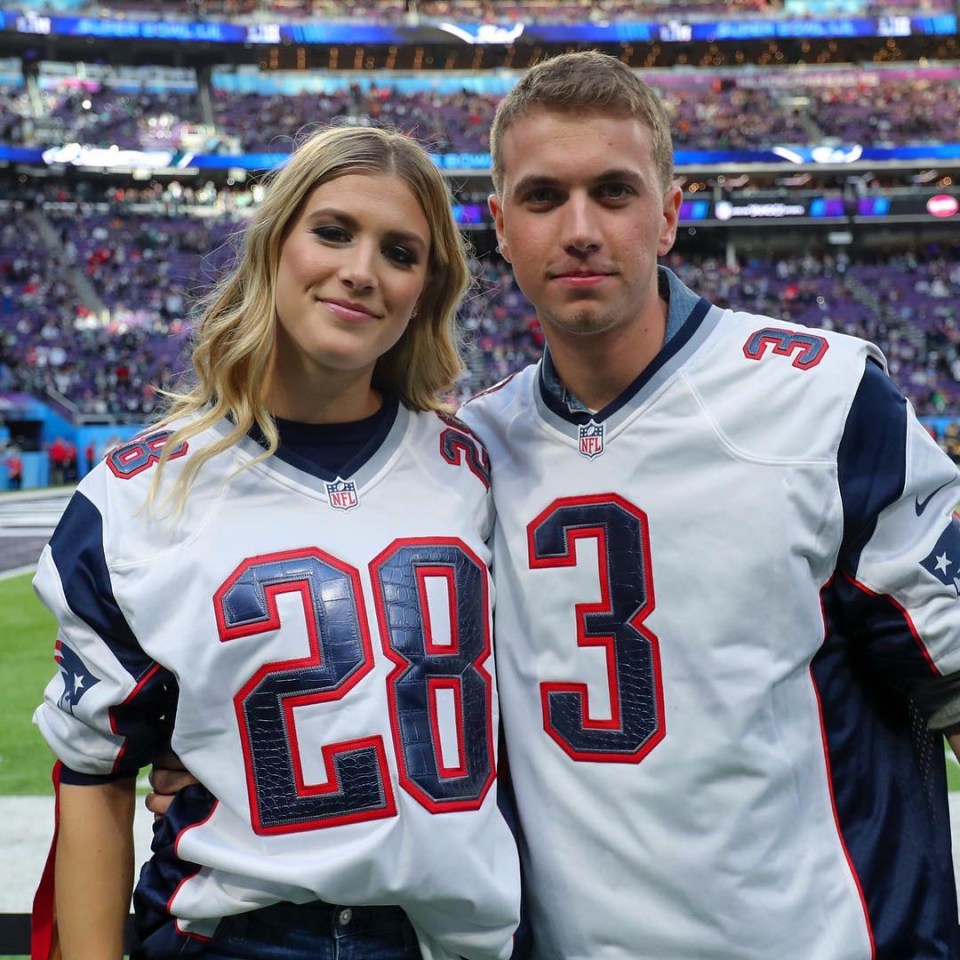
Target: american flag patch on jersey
column 591, row 439
column 342, row 494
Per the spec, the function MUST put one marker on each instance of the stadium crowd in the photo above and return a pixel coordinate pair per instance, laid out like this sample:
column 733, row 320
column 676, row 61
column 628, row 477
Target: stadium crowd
column 97, row 307
column 720, row 111
column 55, row 344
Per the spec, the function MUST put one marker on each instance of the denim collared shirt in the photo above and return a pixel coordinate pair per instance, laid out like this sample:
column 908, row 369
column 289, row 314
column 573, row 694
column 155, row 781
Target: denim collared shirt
column 680, row 300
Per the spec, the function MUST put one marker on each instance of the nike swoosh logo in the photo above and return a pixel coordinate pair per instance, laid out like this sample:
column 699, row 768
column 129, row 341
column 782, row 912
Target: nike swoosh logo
column 921, row 505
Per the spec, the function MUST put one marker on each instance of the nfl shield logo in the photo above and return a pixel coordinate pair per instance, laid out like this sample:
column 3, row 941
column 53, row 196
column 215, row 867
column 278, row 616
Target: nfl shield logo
column 342, row 494
column 591, row 439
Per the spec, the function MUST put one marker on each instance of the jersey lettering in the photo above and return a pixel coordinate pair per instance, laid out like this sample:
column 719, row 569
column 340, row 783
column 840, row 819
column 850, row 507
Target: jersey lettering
column 808, row 347
column 340, row 655
column 445, row 653
column 614, row 623
column 457, row 444
column 357, row 786
column 137, row 455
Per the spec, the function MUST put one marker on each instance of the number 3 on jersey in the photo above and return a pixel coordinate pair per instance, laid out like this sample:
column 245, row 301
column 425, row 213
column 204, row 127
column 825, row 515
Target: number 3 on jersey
column 614, row 622
column 340, row 655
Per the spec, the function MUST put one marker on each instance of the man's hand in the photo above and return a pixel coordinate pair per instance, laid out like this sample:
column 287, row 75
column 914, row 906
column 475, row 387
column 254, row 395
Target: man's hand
column 167, row 777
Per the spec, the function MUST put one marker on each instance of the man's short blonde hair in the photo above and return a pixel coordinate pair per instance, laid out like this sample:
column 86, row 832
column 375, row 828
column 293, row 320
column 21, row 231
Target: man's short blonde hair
column 582, row 83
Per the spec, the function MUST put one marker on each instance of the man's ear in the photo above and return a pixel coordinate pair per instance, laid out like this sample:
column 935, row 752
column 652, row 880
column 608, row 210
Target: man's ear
column 671, row 220
column 496, row 211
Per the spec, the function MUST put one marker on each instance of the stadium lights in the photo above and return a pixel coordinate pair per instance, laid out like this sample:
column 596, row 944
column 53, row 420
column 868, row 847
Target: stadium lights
column 109, row 158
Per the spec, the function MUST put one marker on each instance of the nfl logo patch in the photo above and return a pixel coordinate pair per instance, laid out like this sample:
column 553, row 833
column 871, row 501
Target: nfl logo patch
column 342, row 494
column 591, row 439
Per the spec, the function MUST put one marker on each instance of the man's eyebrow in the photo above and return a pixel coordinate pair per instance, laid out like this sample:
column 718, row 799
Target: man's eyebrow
column 618, row 175
column 535, row 181
column 542, row 181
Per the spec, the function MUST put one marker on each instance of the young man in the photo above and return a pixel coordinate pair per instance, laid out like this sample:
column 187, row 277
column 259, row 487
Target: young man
column 725, row 561
column 725, row 565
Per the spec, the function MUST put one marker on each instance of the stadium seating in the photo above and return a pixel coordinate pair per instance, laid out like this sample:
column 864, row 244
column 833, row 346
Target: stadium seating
column 742, row 110
column 145, row 267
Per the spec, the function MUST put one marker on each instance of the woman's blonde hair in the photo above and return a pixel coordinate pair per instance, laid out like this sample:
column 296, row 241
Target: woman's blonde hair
column 234, row 339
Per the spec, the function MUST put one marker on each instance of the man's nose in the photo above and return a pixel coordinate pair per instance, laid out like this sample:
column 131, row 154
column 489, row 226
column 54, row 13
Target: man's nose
column 580, row 229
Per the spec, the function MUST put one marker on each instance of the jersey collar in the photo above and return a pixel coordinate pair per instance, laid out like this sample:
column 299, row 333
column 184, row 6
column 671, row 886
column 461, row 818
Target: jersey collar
column 685, row 315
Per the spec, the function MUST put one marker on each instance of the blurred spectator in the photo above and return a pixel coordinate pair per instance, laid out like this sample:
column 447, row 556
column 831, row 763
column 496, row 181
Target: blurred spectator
column 14, row 464
column 90, row 454
column 951, row 441
column 59, row 454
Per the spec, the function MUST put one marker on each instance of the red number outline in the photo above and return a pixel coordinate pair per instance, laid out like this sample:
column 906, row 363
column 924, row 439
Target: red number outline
column 434, row 684
column 602, row 606
column 328, row 751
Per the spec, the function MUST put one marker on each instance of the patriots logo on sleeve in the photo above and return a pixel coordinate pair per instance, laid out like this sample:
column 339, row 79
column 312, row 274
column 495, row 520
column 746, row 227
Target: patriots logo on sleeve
column 77, row 677
column 944, row 560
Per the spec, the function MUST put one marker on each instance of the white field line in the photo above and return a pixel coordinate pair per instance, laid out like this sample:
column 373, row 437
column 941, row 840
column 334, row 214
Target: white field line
column 26, row 828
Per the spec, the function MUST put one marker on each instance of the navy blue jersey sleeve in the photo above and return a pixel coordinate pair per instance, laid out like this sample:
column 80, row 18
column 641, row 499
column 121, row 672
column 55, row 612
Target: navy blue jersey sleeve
column 896, row 587
column 871, row 461
column 110, row 707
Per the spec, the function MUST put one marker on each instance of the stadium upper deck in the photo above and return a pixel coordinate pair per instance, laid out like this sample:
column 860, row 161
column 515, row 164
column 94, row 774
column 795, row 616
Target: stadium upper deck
column 491, row 11
column 481, row 34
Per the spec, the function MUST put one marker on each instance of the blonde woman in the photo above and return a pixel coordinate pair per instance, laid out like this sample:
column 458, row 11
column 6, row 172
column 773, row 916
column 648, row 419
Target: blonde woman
column 288, row 578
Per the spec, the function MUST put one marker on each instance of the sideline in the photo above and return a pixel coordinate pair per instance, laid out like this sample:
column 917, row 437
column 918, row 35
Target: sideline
column 27, row 521
column 37, row 493
column 26, row 829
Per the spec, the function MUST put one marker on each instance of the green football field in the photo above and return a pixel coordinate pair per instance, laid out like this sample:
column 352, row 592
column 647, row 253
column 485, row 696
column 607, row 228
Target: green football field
column 26, row 652
column 28, row 633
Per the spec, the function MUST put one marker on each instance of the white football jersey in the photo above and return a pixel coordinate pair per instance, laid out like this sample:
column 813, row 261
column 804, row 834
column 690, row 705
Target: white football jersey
column 712, row 596
column 331, row 644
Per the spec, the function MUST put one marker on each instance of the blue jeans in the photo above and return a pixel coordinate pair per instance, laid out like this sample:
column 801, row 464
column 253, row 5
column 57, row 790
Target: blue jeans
column 315, row 931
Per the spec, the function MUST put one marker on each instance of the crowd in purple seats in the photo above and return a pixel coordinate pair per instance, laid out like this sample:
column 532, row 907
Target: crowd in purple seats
column 104, row 117
column 141, row 266
column 146, row 269
column 445, row 123
column 39, row 308
column 723, row 111
column 108, row 357
column 880, row 111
